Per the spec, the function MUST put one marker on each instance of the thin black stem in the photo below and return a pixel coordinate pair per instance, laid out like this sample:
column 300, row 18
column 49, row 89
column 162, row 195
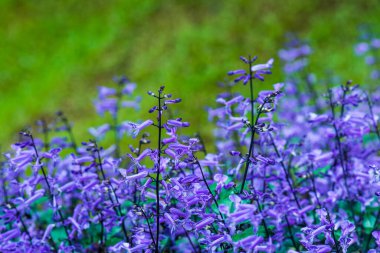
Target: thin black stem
column 204, row 152
column 339, row 144
column 117, row 209
column 190, row 241
column 314, row 188
column 343, row 105
column 251, row 90
column 49, row 190
column 341, row 156
column 135, row 171
column 295, row 245
column 288, row 179
column 23, row 225
column 252, row 102
column 209, row 190
column 159, row 118
column 263, row 221
column 253, row 131
column 150, row 229
column 248, row 161
column 336, row 243
column 202, row 143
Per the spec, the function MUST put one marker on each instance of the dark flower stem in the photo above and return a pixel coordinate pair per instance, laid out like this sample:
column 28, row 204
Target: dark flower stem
column 159, row 119
column 23, row 224
column 26, row 229
column 312, row 179
column 251, row 90
column 209, row 190
column 136, row 171
column 341, row 154
column 190, row 241
column 49, row 189
column 343, row 98
column 295, row 245
column 336, row 243
column 337, row 139
column 204, row 152
column 288, row 179
column 117, row 209
column 250, row 152
column 150, row 229
column 263, row 221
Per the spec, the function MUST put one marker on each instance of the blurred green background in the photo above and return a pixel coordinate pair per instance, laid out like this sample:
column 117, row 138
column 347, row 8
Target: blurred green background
column 53, row 54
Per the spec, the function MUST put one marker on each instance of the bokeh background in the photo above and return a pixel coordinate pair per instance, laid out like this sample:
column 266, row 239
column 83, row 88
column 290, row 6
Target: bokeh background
column 53, row 54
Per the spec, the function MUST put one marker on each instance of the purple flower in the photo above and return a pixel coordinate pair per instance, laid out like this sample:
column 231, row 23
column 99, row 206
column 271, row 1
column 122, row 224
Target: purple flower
column 136, row 128
column 100, row 131
column 376, row 235
column 203, row 223
column 361, row 48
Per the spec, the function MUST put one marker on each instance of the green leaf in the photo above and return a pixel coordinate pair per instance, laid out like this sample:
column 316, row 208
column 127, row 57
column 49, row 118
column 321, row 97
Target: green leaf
column 58, row 234
column 369, row 138
column 322, row 170
column 368, row 222
column 242, row 234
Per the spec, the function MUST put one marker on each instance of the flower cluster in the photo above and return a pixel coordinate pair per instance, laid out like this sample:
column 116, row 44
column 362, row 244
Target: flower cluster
column 293, row 170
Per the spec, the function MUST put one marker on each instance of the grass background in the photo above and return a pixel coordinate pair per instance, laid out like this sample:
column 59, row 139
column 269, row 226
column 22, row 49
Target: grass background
column 53, row 54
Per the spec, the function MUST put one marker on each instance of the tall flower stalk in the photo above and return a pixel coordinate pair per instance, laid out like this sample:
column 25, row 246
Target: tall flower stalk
column 162, row 101
column 49, row 189
column 254, row 72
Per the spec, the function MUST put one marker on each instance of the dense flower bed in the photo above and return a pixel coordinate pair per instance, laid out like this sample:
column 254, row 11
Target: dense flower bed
column 294, row 170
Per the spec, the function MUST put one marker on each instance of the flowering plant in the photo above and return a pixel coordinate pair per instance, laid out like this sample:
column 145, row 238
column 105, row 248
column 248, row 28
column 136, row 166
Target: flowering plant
column 291, row 172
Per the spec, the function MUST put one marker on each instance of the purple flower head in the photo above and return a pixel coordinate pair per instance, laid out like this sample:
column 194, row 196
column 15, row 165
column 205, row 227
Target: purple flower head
column 203, row 223
column 134, row 129
column 99, row 132
column 376, row 235
column 105, row 92
column 361, row 48
column 262, row 67
column 257, row 71
column 106, row 105
column 220, row 180
column 129, row 88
